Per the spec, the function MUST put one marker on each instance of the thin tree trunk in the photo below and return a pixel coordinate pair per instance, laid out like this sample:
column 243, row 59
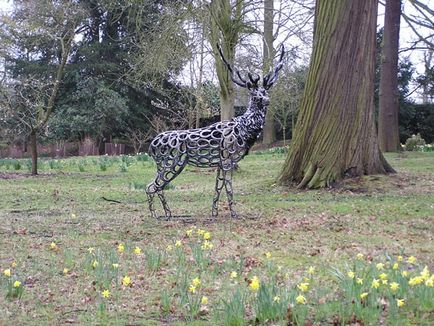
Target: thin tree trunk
column 427, row 58
column 269, row 133
column 34, row 152
column 388, row 125
column 335, row 134
column 199, row 103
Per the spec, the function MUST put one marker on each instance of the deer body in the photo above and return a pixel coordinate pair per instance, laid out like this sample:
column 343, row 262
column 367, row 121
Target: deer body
column 219, row 145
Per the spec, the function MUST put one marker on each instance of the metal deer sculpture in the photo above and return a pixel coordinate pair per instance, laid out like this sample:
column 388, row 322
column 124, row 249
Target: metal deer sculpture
column 219, row 145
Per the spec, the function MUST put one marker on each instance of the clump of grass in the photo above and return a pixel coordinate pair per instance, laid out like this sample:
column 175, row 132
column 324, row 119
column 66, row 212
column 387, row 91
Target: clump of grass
column 154, row 259
column 234, row 309
column 81, row 165
column 16, row 165
column 103, row 163
column 138, row 185
column 123, row 167
column 142, row 157
column 55, row 164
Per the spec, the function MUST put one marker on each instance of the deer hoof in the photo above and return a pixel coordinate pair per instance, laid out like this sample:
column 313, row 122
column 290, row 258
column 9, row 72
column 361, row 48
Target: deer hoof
column 234, row 215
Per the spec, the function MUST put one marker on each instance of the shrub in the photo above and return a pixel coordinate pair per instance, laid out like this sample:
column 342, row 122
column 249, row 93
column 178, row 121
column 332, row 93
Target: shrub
column 414, row 142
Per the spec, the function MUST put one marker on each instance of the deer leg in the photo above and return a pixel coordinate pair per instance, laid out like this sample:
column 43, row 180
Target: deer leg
column 156, row 187
column 165, row 174
column 219, row 183
column 150, row 191
column 227, row 175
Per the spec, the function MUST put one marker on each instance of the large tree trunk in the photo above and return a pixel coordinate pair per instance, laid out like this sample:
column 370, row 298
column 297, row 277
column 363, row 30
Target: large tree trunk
column 269, row 134
column 388, row 127
column 225, row 27
column 335, row 134
column 34, row 151
column 227, row 107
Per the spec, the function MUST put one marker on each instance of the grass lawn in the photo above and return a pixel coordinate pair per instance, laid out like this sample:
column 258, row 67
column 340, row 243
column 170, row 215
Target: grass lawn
column 49, row 222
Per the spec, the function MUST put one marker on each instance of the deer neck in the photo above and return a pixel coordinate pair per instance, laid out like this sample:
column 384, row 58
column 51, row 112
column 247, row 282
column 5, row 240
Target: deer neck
column 252, row 121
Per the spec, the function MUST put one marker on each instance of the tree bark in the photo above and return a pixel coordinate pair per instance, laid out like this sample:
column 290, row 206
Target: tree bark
column 388, row 126
column 269, row 134
column 335, row 134
column 225, row 26
column 227, row 107
column 34, row 151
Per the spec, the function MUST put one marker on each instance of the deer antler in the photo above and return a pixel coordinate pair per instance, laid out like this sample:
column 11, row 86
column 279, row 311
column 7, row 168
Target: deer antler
column 241, row 82
column 271, row 77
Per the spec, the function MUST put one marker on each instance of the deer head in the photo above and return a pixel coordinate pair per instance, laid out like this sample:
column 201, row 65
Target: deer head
column 257, row 91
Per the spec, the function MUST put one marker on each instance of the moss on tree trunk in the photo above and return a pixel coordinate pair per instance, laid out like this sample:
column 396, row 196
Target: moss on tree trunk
column 335, row 134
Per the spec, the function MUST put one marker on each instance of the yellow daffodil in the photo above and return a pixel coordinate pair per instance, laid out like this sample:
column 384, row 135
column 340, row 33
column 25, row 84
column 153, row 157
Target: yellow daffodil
column 233, row 274
column 268, row 255
column 415, row 280
column 53, row 245
column 200, row 232
column 300, row 299
column 7, row 272
column 395, row 266
column 126, row 281
column 360, row 256
column 91, row 250
column 192, row 289
column 121, row 248
column 115, row 266
column 178, row 243
column 411, row 260
column 351, row 274
column 276, row 299
column 105, row 293
column 400, row 302
column 14, row 264
column 189, row 232
column 363, row 295
column 204, row 300
column 404, row 273
column 383, row 276
column 94, row 264
column 17, row 284
column 137, row 250
column 400, row 258
column 306, row 279
column 65, row 271
column 207, row 245
column 384, row 282
column 279, row 268
column 207, row 236
column 169, row 248
column 311, row 270
column 394, row 286
column 375, row 283
column 429, row 282
column 303, row 286
column 287, row 276
column 255, row 283
column 380, row 266
column 425, row 273
column 359, row 281
column 196, row 281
